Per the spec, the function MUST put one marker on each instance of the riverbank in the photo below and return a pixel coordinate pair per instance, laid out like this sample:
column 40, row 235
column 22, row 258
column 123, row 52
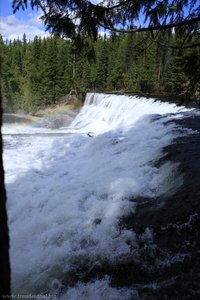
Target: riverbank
column 68, row 106
column 70, row 102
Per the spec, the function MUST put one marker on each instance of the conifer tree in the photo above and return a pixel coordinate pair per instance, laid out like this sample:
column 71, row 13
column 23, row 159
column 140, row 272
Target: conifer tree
column 102, row 64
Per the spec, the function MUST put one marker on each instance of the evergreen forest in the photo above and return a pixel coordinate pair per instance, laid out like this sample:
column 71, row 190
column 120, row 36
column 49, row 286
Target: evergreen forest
column 37, row 73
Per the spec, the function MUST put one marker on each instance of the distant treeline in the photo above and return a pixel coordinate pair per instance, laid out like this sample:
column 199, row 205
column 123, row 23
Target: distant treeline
column 39, row 72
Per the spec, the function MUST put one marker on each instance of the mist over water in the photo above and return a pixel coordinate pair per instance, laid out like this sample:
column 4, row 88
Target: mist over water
column 67, row 192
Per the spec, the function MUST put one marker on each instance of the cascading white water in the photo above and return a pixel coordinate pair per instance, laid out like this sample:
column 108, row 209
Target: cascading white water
column 104, row 112
column 67, row 193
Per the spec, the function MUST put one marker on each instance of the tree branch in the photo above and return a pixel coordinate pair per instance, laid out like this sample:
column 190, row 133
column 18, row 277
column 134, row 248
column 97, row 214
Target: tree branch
column 175, row 47
column 152, row 28
column 117, row 5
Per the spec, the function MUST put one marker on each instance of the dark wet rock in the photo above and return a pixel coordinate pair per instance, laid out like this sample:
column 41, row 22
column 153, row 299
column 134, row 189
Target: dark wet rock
column 97, row 221
column 175, row 226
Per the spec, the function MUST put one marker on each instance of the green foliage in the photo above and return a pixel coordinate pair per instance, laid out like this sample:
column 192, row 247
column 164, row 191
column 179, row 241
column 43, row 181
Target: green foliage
column 37, row 73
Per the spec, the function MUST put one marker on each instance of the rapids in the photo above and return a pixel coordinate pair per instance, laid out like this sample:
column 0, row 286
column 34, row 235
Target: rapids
column 67, row 193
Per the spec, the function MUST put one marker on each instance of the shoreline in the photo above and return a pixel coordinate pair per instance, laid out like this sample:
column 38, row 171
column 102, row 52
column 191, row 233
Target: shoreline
column 25, row 116
column 67, row 104
column 44, row 113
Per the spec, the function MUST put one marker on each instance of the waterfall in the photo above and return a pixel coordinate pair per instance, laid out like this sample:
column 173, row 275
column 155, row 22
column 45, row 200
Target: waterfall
column 67, row 193
column 104, row 112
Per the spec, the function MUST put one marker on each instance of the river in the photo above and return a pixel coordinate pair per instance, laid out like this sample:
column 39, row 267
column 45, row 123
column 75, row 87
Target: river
column 74, row 199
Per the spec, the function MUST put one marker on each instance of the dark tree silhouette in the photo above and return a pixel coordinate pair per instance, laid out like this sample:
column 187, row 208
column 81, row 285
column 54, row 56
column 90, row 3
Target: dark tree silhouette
column 75, row 18
column 4, row 237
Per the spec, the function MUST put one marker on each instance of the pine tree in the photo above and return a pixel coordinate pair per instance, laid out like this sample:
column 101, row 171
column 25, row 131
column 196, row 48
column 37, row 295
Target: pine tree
column 102, row 64
column 63, row 69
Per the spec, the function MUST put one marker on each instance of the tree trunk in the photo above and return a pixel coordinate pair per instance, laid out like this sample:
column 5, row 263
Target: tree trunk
column 4, row 237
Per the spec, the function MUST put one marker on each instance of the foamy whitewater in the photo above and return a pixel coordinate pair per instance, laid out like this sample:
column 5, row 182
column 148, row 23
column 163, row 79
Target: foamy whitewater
column 67, row 192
